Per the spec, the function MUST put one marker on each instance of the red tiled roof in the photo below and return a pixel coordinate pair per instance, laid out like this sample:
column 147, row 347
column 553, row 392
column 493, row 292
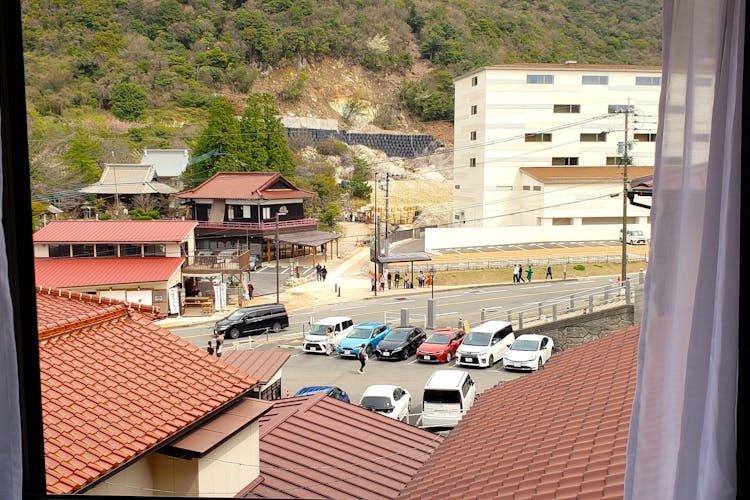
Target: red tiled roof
column 319, row 447
column 246, row 186
column 93, row 271
column 115, row 386
column 558, row 433
column 262, row 365
column 57, row 308
column 115, row 231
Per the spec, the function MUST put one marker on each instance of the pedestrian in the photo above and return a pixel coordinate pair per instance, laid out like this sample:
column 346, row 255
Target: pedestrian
column 219, row 339
column 382, row 282
column 397, row 278
column 406, row 282
column 529, row 272
column 250, row 290
column 329, row 341
column 389, row 280
column 373, row 282
column 362, row 355
column 323, row 273
column 515, row 273
column 420, row 278
column 318, row 270
column 210, row 348
column 565, row 270
column 520, row 273
column 549, row 272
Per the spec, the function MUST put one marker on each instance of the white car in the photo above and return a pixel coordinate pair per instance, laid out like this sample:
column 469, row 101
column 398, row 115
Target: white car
column 389, row 400
column 316, row 338
column 528, row 352
column 485, row 344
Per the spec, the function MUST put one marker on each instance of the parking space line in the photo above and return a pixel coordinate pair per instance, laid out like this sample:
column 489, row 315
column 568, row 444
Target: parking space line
column 447, row 314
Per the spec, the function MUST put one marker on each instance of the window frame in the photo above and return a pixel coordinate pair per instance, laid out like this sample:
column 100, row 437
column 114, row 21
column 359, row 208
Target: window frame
column 594, row 79
column 593, row 137
column 571, row 108
column 540, row 79
column 538, row 137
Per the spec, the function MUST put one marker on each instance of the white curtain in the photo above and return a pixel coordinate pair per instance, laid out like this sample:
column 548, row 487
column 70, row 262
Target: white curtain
column 11, row 470
column 683, row 431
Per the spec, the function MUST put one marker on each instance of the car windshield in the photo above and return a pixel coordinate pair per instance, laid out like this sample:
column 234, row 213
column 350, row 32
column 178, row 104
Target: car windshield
column 238, row 314
column 377, row 403
column 525, row 345
column 477, row 338
column 636, row 233
column 360, row 333
column 319, row 329
column 398, row 334
column 437, row 339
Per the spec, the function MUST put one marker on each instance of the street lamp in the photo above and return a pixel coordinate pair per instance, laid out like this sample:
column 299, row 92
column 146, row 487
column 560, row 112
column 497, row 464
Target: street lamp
column 282, row 211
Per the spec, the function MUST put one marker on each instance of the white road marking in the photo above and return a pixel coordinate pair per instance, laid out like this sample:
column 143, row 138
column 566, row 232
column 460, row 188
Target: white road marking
column 398, row 302
column 451, row 296
column 348, row 308
column 447, row 314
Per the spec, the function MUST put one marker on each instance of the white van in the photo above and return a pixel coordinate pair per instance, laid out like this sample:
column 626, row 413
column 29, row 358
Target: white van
column 315, row 340
column 485, row 344
column 448, row 395
column 635, row 237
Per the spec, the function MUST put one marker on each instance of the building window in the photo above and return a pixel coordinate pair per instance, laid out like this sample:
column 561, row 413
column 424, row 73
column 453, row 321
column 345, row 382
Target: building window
column 457, row 186
column 59, row 250
column 266, row 213
column 472, row 162
column 527, row 188
column 540, row 79
column 106, row 250
column 648, row 80
column 155, row 250
column 83, row 250
column 473, row 135
column 130, row 250
column 538, row 138
column 566, row 108
column 246, row 212
column 474, row 109
column 595, row 80
column 600, row 137
column 645, row 137
column 614, row 160
column 474, row 81
column 537, row 188
column 620, row 108
column 565, row 160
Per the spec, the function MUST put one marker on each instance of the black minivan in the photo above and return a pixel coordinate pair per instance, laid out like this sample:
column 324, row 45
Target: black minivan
column 253, row 320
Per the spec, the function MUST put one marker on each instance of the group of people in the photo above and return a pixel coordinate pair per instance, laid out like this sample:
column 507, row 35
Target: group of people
column 320, row 272
column 215, row 344
column 518, row 273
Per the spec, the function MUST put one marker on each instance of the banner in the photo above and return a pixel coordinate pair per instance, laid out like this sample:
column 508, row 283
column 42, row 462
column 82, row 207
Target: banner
column 174, row 300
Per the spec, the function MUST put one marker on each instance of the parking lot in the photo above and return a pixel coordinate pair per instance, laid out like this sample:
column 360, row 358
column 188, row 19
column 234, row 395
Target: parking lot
column 304, row 369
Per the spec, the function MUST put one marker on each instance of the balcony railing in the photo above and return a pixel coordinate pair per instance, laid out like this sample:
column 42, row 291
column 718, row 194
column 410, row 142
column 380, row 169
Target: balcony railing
column 261, row 226
column 224, row 261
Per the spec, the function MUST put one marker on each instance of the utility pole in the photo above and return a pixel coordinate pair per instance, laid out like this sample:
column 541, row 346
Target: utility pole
column 625, row 161
column 375, row 223
column 385, row 244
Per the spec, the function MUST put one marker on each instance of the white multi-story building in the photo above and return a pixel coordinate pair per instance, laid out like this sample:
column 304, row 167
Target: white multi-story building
column 511, row 118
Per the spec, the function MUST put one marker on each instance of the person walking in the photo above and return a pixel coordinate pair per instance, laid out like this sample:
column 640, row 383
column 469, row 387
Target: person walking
column 362, row 356
column 529, row 272
column 382, row 282
column 420, row 278
column 324, row 273
column 373, row 282
column 318, row 270
column 515, row 273
column 250, row 290
column 397, row 278
column 520, row 274
column 549, row 272
column 210, row 348
column 390, row 278
column 330, row 345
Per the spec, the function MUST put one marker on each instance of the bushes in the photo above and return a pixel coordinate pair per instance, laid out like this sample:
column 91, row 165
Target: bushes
column 129, row 101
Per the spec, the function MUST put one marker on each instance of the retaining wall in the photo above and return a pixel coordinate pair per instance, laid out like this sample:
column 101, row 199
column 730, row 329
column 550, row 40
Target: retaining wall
column 396, row 145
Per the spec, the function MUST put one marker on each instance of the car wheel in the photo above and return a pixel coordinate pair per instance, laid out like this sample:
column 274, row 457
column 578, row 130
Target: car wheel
column 368, row 350
column 276, row 327
column 234, row 333
column 540, row 365
column 448, row 358
column 492, row 360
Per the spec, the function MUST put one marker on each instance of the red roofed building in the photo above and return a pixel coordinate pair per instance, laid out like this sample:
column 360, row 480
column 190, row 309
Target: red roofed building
column 560, row 433
column 130, row 409
column 134, row 261
column 319, row 447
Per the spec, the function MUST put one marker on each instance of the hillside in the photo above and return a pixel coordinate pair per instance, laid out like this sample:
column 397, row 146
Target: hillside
column 106, row 79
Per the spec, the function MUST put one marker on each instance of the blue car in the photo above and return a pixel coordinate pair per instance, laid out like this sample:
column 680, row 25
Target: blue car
column 369, row 334
column 330, row 390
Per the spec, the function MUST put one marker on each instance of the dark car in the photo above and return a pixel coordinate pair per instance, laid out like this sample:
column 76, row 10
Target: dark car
column 401, row 343
column 331, row 390
column 253, row 320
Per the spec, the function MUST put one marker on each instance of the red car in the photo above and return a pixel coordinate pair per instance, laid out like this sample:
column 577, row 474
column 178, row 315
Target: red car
column 440, row 347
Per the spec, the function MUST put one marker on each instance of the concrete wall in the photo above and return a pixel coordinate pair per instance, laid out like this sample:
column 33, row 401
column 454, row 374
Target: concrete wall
column 570, row 332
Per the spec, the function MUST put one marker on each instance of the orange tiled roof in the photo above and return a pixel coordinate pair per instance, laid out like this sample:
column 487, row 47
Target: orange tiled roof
column 318, row 447
column 559, row 433
column 70, row 272
column 114, row 386
column 115, row 231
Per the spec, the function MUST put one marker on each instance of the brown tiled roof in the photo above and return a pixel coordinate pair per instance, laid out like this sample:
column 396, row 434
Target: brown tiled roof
column 114, row 386
column 246, row 186
column 578, row 175
column 558, row 433
column 318, row 447
column 262, row 365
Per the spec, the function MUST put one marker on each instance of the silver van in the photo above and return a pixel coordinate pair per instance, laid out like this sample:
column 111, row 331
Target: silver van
column 448, row 395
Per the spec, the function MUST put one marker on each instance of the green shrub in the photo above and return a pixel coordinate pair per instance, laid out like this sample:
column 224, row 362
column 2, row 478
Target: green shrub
column 579, row 267
column 143, row 217
column 129, row 101
column 331, row 147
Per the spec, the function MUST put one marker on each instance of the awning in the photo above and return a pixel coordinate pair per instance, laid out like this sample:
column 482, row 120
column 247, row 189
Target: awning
column 404, row 257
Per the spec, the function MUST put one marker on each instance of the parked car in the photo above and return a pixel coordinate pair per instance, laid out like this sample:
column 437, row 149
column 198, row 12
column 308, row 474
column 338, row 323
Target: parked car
column 369, row 334
column 441, row 346
column 400, row 343
column 253, row 320
column 528, row 352
column 448, row 395
column 330, row 390
column 634, row 237
column 485, row 344
column 315, row 340
column 389, row 400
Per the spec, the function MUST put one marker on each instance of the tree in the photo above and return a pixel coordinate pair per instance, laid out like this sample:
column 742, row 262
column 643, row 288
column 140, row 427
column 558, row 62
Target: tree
column 264, row 137
column 129, row 101
column 328, row 218
column 82, row 158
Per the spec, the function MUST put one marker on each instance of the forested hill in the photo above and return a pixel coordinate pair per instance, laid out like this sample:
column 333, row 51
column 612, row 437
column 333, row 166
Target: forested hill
column 112, row 77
